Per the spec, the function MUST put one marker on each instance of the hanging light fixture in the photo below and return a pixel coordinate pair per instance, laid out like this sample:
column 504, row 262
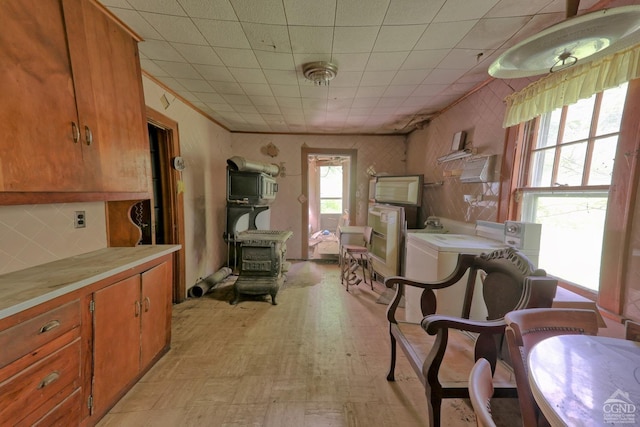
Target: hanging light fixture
column 320, row 73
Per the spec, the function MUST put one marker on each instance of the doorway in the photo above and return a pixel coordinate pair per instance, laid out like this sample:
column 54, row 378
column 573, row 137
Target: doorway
column 328, row 185
column 166, row 208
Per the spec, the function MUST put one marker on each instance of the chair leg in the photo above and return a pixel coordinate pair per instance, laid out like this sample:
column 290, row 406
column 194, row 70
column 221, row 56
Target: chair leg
column 392, row 368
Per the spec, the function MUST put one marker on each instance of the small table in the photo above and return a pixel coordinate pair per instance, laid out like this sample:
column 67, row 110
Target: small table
column 581, row 380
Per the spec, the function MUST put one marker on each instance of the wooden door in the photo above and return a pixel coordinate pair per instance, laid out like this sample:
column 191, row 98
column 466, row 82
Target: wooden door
column 116, row 340
column 156, row 312
column 37, row 148
column 120, row 142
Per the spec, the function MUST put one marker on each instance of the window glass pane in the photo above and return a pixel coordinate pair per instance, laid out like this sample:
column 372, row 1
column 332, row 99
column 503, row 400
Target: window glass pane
column 542, row 168
column 611, row 110
column 548, row 132
column 330, row 181
column 330, row 206
column 571, row 241
column 571, row 164
column 578, row 120
column 604, row 152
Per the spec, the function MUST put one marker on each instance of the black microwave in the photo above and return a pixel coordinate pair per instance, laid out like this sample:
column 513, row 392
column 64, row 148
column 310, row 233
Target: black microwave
column 251, row 188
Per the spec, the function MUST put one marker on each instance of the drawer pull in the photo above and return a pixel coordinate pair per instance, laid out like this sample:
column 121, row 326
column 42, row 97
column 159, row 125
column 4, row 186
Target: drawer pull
column 51, row 378
column 49, row 326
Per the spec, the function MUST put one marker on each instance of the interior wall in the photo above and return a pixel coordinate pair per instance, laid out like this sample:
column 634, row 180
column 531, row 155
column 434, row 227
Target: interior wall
column 480, row 115
column 385, row 153
column 36, row 234
column 205, row 147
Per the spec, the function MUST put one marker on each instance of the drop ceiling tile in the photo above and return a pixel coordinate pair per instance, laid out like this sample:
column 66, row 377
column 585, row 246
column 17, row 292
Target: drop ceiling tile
column 245, row 108
column 342, row 92
column 267, row 102
column 444, row 35
column 195, row 85
column 175, row 28
column 219, row 106
column 347, row 79
column 150, row 67
column 215, row 73
column 509, row 8
column 242, row 58
column 490, row 33
column 210, row 9
column 444, row 76
column 424, row 59
column 159, row 49
column 287, row 102
column 314, row 92
column 178, row 69
column 405, row 12
column 270, row 38
column 371, row 91
column 461, row 10
column 230, row 88
column 386, row 61
column 116, row 3
column 354, row 39
column 399, row 90
column 377, row 78
column 388, row 104
column 281, row 77
column 198, row 54
column 173, row 84
column 248, row 75
column 311, row 39
column 428, row 90
column 361, row 12
column 350, row 61
column 462, row 59
column 287, row 91
column 268, row 109
column 393, row 38
column 135, row 20
column 223, row 33
column 235, row 100
column 409, row 77
column 275, row 60
column 168, row 7
column 256, row 89
column 317, row 12
column 209, row 97
column 266, row 11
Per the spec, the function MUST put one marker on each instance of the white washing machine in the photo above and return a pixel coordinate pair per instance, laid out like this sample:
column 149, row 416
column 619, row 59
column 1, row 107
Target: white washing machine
column 431, row 257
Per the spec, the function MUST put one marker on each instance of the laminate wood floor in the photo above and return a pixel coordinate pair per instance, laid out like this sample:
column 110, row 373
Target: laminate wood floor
column 318, row 358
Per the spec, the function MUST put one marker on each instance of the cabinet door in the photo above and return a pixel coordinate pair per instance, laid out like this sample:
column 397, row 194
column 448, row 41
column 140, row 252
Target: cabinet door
column 116, row 106
column 37, row 148
column 116, row 340
column 156, row 311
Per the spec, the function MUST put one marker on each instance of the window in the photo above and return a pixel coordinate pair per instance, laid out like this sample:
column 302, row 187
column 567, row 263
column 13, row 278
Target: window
column 331, row 189
column 565, row 184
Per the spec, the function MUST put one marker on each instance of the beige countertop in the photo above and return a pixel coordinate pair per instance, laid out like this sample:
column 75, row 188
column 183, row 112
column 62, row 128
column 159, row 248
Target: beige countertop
column 23, row 289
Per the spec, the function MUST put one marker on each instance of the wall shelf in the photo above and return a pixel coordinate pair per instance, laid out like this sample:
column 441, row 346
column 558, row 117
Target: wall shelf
column 456, row 155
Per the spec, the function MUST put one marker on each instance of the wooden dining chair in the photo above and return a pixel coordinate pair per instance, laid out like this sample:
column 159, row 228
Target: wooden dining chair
column 632, row 330
column 525, row 328
column 481, row 391
column 354, row 256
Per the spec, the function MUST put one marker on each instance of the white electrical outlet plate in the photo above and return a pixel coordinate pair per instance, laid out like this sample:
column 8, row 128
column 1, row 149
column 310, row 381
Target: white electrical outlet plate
column 79, row 219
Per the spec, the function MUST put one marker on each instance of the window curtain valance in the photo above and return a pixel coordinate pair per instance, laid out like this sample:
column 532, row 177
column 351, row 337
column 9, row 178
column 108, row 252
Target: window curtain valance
column 568, row 86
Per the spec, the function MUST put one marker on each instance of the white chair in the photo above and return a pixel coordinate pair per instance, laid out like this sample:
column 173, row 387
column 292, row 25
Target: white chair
column 481, row 391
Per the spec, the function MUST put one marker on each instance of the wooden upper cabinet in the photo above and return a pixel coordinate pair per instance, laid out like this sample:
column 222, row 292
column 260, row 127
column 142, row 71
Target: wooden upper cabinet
column 73, row 118
column 120, row 141
column 38, row 108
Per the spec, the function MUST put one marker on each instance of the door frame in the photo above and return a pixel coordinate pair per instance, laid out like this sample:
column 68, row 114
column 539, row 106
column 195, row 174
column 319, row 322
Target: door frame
column 353, row 175
column 173, row 199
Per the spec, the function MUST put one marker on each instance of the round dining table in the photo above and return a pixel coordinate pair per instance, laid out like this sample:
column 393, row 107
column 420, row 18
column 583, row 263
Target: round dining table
column 581, row 380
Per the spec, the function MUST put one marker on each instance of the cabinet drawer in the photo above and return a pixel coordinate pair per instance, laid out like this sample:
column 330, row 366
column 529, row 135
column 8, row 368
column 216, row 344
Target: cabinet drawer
column 27, row 336
column 67, row 413
column 36, row 386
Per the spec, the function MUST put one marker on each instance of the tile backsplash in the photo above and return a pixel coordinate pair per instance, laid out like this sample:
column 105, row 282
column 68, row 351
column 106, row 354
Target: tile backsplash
column 36, row 234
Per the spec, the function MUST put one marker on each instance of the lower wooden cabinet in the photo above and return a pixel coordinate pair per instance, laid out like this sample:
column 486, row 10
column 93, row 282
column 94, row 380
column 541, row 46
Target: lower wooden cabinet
column 67, row 361
column 131, row 323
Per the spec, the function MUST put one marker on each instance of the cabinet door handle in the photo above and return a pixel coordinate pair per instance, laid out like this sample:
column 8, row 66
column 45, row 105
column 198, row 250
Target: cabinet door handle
column 147, row 304
column 51, row 378
column 76, row 132
column 49, row 326
column 88, row 135
column 137, row 305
